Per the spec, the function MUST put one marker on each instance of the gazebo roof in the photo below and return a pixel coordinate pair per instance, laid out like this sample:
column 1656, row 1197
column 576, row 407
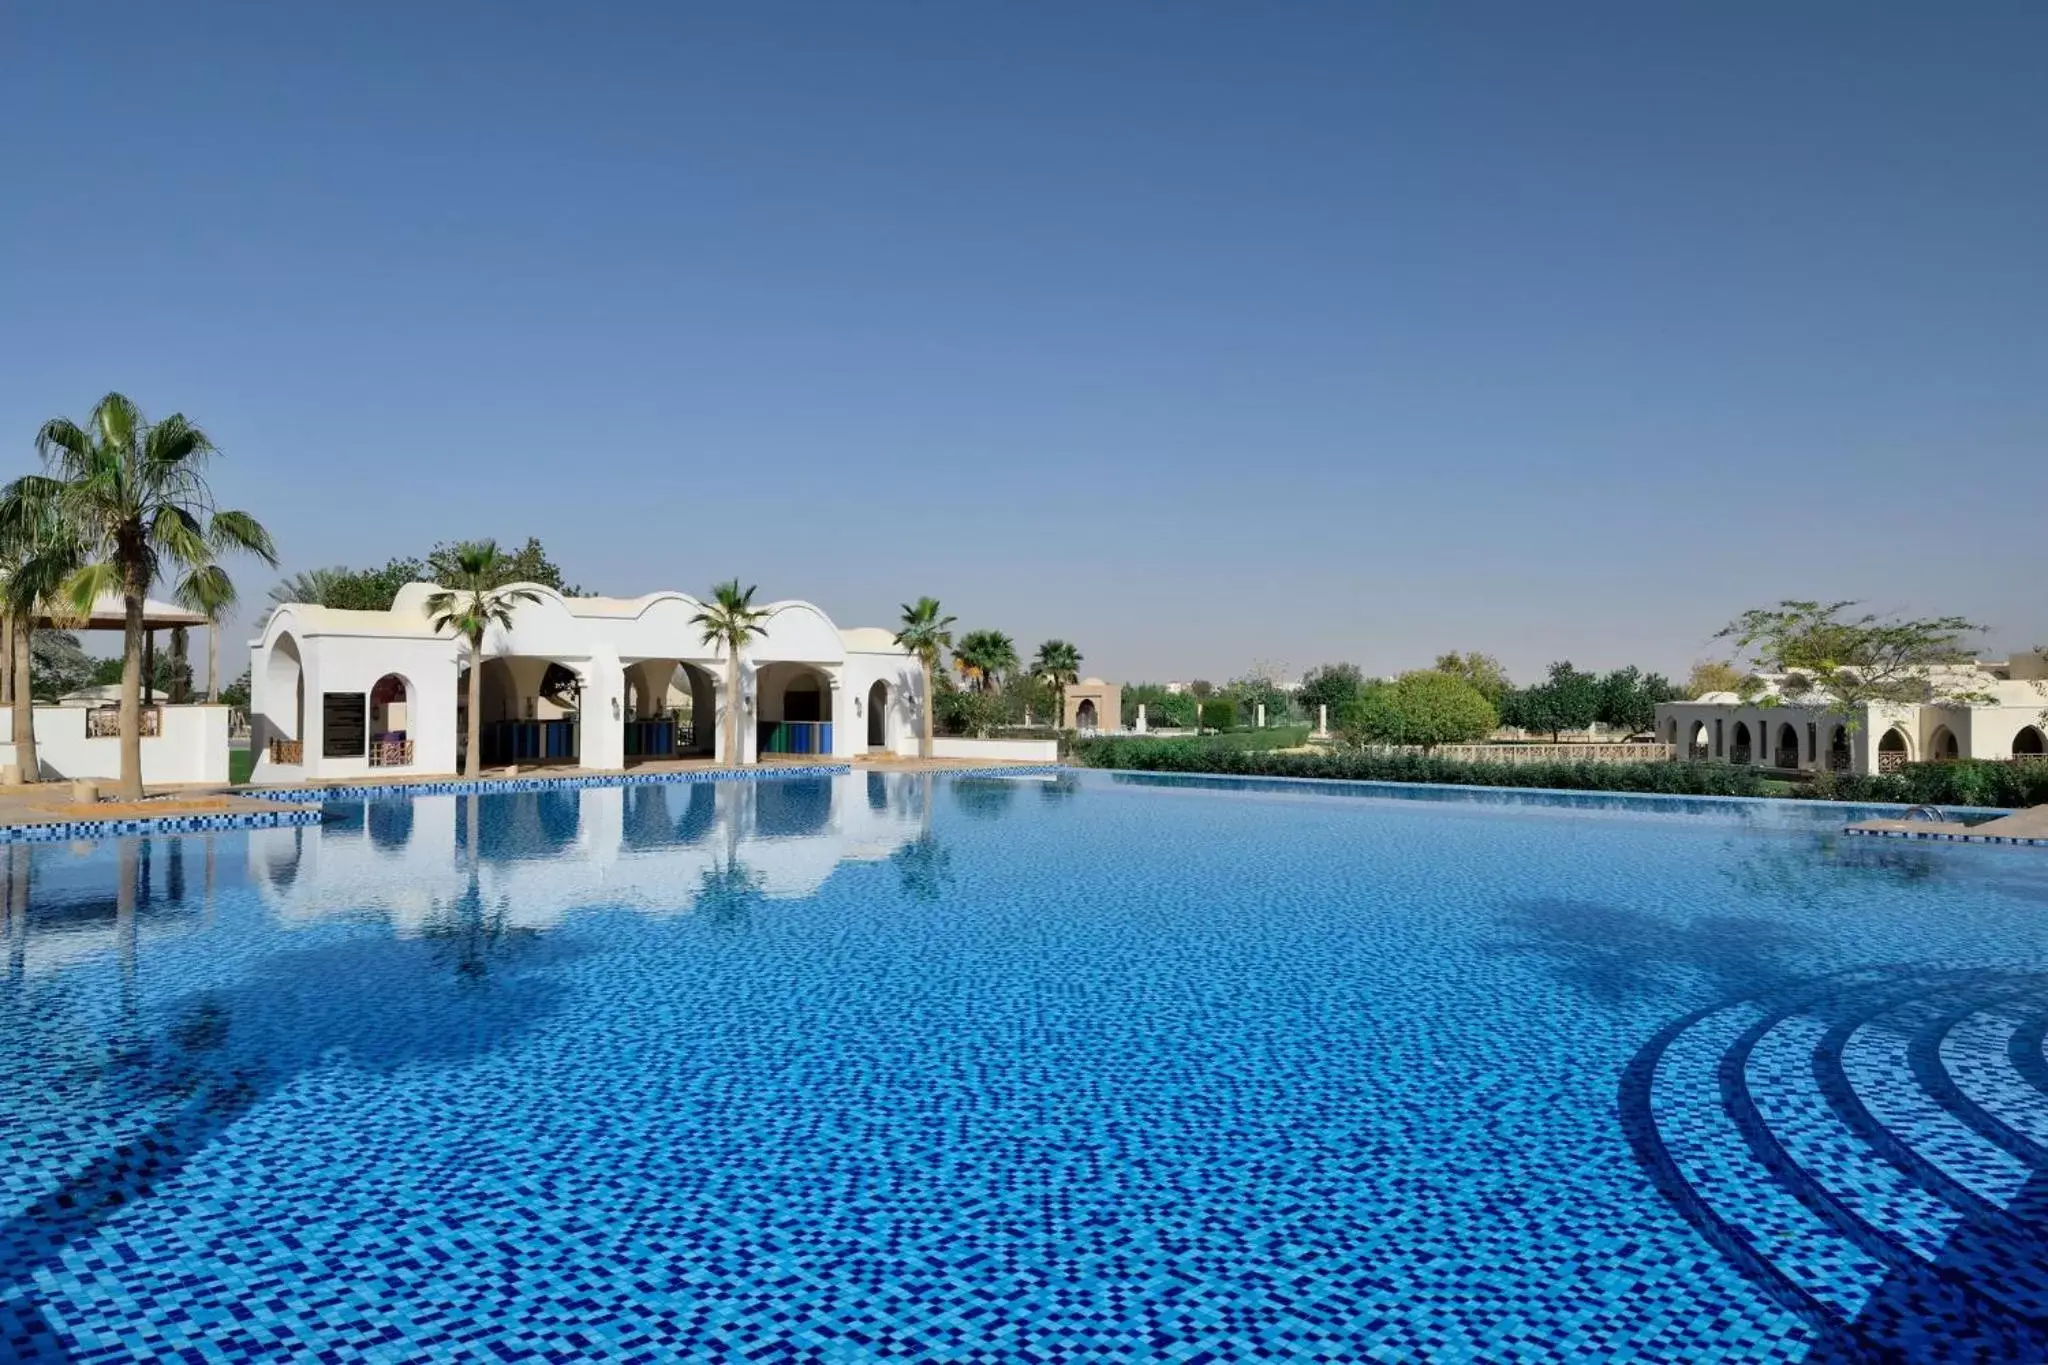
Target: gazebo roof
column 110, row 613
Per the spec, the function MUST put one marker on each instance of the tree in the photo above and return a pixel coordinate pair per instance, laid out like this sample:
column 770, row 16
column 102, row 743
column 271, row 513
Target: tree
column 58, row 665
column 39, row 555
column 1712, row 675
column 1058, row 665
column 1629, row 698
column 1483, row 671
column 527, row 564
column 212, row 594
column 134, row 501
column 1818, row 653
column 731, row 619
column 473, row 600
column 1427, row 708
column 983, row 656
column 1566, row 700
column 1201, row 689
column 1331, row 685
column 236, row 693
column 927, row 633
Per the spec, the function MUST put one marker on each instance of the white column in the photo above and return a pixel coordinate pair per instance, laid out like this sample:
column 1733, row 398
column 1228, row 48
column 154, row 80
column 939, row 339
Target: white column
column 1141, row 718
column 1322, row 720
column 1262, row 715
column 601, row 715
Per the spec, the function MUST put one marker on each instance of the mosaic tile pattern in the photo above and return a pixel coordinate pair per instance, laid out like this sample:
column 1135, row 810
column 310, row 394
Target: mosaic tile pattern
column 1046, row 1067
column 68, row 831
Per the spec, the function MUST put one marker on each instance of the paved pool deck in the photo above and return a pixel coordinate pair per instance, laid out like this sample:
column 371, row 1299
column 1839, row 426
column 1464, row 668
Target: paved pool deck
column 2028, row 827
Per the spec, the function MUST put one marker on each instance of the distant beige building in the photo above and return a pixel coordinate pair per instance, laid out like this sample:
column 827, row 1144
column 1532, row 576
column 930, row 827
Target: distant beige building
column 1775, row 731
column 1093, row 704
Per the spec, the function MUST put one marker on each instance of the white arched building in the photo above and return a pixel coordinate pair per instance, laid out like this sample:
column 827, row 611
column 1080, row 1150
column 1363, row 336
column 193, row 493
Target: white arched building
column 2004, row 721
column 596, row 682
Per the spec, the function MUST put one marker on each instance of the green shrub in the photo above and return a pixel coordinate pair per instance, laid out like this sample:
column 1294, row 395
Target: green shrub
column 1207, row 756
column 1218, row 713
column 1965, row 783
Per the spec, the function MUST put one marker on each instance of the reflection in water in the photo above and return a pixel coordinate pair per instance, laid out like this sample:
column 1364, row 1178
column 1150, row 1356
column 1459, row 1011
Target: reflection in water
column 535, row 857
column 985, row 798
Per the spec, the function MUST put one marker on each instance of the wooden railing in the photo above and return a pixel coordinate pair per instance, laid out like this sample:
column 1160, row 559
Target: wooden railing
column 1788, row 758
column 1891, row 760
column 287, row 751
column 104, row 722
column 390, row 753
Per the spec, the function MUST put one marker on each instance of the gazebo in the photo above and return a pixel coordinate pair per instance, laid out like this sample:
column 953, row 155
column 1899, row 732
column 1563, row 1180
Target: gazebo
column 110, row 612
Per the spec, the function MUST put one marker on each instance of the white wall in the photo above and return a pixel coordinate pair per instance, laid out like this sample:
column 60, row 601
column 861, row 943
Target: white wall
column 193, row 746
column 1019, row 750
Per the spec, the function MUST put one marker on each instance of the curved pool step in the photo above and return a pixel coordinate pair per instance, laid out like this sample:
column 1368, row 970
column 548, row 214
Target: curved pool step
column 1816, row 1136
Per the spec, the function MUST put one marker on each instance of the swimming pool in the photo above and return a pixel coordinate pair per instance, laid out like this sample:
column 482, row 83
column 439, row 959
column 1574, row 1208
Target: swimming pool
column 1082, row 1067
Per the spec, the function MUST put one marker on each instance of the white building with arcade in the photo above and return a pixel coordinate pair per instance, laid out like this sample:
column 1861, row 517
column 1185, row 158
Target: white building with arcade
column 599, row 683
column 2005, row 717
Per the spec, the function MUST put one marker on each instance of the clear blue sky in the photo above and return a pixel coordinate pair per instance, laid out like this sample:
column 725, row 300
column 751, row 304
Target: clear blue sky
column 1197, row 334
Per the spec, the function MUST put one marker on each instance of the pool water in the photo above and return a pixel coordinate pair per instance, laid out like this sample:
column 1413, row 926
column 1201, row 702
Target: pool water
column 1086, row 1067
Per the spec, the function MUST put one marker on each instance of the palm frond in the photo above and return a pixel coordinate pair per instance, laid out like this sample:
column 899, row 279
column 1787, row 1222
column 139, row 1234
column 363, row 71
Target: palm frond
column 232, row 530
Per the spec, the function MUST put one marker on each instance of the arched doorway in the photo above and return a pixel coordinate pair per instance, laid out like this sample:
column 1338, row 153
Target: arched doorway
column 878, row 716
column 2030, row 743
column 671, row 710
column 1892, row 751
column 390, row 732
column 1944, row 748
column 1084, row 714
column 1738, row 750
column 530, row 711
column 284, row 702
column 1840, row 756
column 1787, row 755
column 1696, row 744
column 793, row 710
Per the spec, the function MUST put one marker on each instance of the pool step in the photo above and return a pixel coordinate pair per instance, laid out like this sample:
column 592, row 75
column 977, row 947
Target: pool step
column 1866, row 1148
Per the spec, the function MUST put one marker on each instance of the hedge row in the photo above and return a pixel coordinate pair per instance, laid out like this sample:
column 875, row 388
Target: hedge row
column 1196, row 756
column 1971, row 782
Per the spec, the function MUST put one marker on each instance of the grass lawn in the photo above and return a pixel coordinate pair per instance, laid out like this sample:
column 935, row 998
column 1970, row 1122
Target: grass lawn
column 241, row 762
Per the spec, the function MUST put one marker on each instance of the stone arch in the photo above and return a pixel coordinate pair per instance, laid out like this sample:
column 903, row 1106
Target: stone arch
column 1942, row 746
column 2030, row 743
column 391, row 699
column 1085, row 717
column 878, row 715
column 793, row 709
column 1698, row 741
column 1738, row 743
column 1894, row 750
column 1787, row 755
column 284, row 700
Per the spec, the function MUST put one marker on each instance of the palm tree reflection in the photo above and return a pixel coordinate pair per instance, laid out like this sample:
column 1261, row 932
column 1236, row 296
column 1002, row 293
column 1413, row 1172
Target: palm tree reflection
column 727, row 894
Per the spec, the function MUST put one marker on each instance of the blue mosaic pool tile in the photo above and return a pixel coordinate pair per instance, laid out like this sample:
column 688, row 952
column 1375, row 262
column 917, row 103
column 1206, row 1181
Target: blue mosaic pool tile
column 1005, row 1066
column 66, row 831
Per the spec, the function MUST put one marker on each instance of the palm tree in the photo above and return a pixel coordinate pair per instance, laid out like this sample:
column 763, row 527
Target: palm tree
column 1058, row 666
column 211, row 593
column 39, row 557
column 134, row 502
column 983, row 656
column 927, row 633
column 310, row 586
column 477, row 600
column 731, row 619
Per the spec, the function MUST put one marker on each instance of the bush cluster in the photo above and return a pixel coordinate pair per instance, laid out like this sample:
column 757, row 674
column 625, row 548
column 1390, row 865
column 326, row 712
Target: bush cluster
column 1967, row 782
column 1970, row 782
column 1210, row 756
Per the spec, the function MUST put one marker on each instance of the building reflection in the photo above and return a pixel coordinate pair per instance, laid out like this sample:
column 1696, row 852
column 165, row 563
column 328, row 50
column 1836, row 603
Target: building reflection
column 535, row 857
